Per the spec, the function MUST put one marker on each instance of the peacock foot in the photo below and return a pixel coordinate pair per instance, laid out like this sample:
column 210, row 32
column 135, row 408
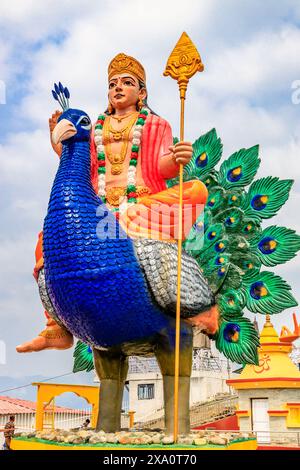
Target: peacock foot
column 54, row 337
column 207, row 321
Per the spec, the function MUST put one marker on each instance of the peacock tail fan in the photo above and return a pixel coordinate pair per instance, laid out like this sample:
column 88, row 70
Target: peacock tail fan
column 83, row 358
column 230, row 245
column 238, row 340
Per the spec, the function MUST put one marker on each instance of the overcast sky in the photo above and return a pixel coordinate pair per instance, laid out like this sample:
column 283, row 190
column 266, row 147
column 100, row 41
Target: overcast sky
column 251, row 52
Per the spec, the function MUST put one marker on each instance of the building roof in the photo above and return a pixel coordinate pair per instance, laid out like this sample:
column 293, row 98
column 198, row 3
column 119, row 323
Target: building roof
column 13, row 406
column 275, row 369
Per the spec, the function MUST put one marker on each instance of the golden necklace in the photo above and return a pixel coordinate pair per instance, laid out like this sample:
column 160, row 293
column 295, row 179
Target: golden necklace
column 121, row 118
column 117, row 159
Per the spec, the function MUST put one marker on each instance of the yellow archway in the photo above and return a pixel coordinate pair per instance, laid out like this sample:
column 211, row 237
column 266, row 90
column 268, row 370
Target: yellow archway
column 46, row 392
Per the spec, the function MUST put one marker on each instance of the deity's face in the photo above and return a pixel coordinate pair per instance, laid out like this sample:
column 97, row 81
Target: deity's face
column 124, row 91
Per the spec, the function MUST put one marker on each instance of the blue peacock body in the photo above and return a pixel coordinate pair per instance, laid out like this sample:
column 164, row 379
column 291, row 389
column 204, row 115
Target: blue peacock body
column 96, row 286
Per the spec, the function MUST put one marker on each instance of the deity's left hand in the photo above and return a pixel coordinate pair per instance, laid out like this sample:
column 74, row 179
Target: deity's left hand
column 182, row 152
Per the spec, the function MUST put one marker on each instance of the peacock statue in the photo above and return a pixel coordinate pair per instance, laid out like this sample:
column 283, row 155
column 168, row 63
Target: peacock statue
column 116, row 294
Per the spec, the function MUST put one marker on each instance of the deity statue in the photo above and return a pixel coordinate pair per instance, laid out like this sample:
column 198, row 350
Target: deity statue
column 109, row 281
column 119, row 182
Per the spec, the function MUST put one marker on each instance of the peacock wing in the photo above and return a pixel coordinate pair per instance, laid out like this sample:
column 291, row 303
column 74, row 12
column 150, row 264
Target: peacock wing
column 158, row 261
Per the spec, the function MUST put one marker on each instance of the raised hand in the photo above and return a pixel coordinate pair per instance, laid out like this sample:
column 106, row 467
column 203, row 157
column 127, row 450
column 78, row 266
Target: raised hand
column 52, row 123
column 182, row 152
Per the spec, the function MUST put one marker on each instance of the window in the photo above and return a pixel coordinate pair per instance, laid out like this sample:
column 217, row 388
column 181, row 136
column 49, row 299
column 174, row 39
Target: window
column 146, row 391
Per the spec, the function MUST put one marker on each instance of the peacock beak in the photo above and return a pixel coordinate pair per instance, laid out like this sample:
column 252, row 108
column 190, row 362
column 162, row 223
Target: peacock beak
column 63, row 131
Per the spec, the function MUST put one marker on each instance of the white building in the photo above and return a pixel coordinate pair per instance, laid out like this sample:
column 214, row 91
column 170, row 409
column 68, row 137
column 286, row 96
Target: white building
column 144, row 385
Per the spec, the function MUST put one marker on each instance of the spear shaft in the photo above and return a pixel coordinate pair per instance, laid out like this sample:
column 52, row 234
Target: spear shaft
column 182, row 64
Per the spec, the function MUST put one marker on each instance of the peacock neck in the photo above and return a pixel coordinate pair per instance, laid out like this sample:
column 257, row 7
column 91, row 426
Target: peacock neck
column 73, row 178
column 73, row 193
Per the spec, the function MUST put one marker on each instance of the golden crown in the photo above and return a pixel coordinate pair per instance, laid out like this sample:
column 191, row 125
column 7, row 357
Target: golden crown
column 124, row 63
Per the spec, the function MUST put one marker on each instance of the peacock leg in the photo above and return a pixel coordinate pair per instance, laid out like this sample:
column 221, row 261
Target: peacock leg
column 111, row 368
column 123, row 376
column 165, row 354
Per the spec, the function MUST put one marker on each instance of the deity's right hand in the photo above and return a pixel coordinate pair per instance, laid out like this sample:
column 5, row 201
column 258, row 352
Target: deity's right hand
column 52, row 123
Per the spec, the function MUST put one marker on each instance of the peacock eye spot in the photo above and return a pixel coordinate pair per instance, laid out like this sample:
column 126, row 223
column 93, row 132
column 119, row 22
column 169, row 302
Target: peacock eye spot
column 258, row 290
column 232, row 332
column 211, row 235
column 201, row 160
column 221, row 272
column 220, row 247
column 230, row 221
column 259, row 202
column 199, row 227
column 267, row 245
column 235, row 174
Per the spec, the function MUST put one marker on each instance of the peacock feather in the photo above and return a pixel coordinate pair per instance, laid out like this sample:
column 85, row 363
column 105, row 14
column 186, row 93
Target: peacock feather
column 231, row 245
column 276, row 245
column 267, row 293
column 239, row 169
column 207, row 152
column 238, row 340
column 265, row 197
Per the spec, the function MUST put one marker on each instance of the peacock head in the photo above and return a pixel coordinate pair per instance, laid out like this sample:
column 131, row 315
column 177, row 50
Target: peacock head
column 73, row 125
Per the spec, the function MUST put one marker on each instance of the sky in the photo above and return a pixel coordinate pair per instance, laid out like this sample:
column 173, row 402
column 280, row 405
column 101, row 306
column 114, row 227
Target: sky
column 249, row 91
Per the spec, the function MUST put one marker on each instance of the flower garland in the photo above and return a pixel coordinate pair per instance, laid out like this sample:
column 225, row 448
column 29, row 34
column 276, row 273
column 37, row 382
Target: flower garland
column 131, row 193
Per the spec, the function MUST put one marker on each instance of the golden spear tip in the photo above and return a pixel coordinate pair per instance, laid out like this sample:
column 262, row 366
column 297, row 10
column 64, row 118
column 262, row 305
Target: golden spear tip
column 184, row 60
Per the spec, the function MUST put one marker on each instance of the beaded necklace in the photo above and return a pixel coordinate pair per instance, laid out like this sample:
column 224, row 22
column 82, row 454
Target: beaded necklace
column 131, row 193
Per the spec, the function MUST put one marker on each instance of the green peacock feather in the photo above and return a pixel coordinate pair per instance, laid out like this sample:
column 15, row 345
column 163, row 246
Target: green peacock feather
column 250, row 228
column 267, row 293
column 83, row 358
column 239, row 169
column 238, row 340
column 230, row 304
column 265, row 197
column 216, row 199
column 232, row 219
column 207, row 153
column 276, row 245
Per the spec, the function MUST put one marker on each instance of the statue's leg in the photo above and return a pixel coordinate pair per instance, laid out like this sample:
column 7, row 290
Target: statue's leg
column 111, row 368
column 55, row 335
column 165, row 354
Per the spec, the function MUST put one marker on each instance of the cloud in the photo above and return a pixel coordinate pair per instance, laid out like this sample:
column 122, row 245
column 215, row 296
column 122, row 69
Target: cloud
column 262, row 66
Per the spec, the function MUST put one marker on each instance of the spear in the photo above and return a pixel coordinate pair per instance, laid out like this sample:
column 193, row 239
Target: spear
column 183, row 62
